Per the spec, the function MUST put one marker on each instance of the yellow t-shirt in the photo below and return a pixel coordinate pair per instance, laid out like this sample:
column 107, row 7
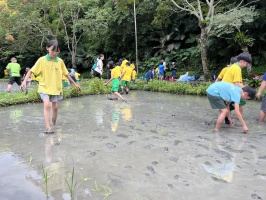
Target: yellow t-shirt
column 116, row 72
column 134, row 73
column 77, row 75
column 51, row 72
column 222, row 73
column 233, row 74
column 127, row 74
column 123, row 64
column 32, row 77
column 64, row 78
column 132, row 66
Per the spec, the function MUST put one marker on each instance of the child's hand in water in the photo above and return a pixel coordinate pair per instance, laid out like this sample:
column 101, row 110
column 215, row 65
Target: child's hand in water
column 232, row 123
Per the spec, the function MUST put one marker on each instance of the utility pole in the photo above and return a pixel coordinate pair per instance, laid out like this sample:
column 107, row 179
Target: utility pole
column 136, row 37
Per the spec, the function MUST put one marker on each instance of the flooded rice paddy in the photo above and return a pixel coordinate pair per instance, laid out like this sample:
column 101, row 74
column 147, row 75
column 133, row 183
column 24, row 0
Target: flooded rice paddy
column 158, row 146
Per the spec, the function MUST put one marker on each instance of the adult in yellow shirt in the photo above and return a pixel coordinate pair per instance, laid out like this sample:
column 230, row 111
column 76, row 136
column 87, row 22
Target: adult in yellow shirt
column 51, row 69
column 126, row 78
column 224, row 70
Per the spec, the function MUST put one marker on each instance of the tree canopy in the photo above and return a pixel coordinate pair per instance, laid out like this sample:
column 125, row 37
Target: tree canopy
column 86, row 28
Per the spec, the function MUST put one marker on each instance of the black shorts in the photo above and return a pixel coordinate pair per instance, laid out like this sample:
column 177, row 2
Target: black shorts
column 13, row 79
column 73, row 78
column 96, row 74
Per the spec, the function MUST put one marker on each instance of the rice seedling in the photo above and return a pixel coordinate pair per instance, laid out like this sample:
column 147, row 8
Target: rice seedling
column 104, row 190
column 139, row 197
column 72, row 186
column 130, row 177
column 30, row 160
column 45, row 177
column 84, row 179
column 107, row 191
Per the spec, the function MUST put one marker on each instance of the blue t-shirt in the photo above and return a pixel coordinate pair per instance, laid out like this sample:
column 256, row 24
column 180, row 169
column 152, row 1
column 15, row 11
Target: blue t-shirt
column 227, row 91
column 264, row 77
column 161, row 68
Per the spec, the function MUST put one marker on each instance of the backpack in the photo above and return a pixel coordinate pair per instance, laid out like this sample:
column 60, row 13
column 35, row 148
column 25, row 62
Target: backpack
column 94, row 65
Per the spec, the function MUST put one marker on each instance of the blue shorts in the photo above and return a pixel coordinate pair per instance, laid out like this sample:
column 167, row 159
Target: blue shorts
column 52, row 98
column 263, row 104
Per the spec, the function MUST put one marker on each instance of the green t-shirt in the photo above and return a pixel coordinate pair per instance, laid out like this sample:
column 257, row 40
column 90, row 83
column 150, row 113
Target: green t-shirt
column 14, row 69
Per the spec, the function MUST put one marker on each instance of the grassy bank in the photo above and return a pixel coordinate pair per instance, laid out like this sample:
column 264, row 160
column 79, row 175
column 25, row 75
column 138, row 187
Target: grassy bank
column 96, row 86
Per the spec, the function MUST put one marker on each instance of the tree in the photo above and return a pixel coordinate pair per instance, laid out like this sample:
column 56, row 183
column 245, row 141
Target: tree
column 229, row 23
column 80, row 18
column 204, row 12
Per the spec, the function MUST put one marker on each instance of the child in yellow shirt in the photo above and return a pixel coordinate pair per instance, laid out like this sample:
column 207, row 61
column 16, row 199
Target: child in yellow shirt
column 51, row 69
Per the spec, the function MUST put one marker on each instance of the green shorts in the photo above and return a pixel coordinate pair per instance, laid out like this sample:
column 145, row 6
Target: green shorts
column 115, row 85
column 125, row 83
column 216, row 102
column 242, row 102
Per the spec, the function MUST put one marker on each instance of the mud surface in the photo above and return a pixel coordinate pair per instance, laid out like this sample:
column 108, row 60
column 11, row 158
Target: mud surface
column 158, row 146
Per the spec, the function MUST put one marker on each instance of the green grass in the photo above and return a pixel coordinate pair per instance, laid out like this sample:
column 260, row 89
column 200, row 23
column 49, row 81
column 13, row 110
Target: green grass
column 96, row 86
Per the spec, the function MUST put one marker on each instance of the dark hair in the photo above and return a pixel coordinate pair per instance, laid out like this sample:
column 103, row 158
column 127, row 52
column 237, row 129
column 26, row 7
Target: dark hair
column 111, row 64
column 53, row 43
column 117, row 64
column 244, row 56
column 128, row 64
column 233, row 60
column 250, row 90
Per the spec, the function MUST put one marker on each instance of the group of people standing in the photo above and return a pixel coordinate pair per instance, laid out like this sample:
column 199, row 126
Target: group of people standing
column 160, row 72
column 228, row 92
column 124, row 71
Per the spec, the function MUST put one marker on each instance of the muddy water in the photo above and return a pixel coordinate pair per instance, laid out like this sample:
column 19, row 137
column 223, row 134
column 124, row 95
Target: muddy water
column 158, row 146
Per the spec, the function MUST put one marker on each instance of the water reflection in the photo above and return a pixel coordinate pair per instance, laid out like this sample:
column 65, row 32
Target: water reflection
column 15, row 115
column 99, row 115
column 161, row 148
column 126, row 113
column 115, row 119
column 224, row 167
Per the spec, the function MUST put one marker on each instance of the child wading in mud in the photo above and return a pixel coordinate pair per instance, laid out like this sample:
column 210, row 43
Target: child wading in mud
column 51, row 69
column 115, row 74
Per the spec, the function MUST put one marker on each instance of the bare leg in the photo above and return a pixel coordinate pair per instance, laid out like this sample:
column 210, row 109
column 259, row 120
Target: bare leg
column 55, row 110
column 122, row 88
column 262, row 116
column 9, row 87
column 220, row 120
column 46, row 111
column 119, row 95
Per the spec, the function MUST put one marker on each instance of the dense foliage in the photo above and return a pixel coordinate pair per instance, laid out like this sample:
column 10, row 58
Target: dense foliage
column 86, row 28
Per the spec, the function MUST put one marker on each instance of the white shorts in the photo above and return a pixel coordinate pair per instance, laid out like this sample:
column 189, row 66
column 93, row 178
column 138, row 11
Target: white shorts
column 52, row 98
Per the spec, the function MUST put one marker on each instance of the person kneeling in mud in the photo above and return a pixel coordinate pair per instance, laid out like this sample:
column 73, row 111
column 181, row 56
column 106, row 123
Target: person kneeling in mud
column 115, row 74
column 220, row 94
